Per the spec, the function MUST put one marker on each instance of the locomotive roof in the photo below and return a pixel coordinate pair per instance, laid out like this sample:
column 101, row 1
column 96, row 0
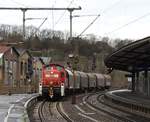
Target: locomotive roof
column 132, row 57
column 54, row 64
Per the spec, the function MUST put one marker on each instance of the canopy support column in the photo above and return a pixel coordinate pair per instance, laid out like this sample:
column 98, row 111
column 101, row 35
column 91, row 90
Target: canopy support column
column 146, row 82
column 137, row 81
column 133, row 81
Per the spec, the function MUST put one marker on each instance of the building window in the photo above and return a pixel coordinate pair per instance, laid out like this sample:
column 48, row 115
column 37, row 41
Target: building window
column 21, row 68
column 6, row 72
column 11, row 51
column 25, row 69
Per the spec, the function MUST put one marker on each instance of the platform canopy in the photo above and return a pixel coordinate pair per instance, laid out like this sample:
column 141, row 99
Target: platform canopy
column 132, row 57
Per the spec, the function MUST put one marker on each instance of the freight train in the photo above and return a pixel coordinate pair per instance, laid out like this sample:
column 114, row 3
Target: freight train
column 58, row 81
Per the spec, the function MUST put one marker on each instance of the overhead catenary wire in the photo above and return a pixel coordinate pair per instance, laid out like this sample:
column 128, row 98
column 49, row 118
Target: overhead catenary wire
column 34, row 33
column 89, row 25
column 74, row 2
column 126, row 24
column 71, row 1
column 39, row 25
column 42, row 23
column 25, row 9
column 18, row 3
column 105, row 10
column 63, row 13
column 110, row 7
column 88, row 15
column 131, row 22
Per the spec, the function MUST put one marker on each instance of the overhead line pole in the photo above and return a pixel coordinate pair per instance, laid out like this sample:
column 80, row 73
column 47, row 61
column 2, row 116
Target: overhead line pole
column 20, row 8
column 70, row 10
column 25, row 9
column 23, row 29
column 74, row 57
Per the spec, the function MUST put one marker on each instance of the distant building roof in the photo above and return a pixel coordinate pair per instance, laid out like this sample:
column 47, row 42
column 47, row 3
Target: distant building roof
column 46, row 60
column 21, row 51
column 3, row 48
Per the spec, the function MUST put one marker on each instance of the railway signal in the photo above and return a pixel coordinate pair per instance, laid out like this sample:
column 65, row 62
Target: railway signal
column 109, row 70
column 74, row 60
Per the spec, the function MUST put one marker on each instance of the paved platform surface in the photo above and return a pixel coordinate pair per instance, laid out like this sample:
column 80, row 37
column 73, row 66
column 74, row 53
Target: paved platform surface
column 7, row 102
column 132, row 96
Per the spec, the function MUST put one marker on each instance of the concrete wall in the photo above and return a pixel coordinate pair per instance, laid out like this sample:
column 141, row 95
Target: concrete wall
column 118, row 79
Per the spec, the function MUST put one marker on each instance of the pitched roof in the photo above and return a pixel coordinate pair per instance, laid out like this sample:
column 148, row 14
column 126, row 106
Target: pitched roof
column 3, row 48
column 21, row 51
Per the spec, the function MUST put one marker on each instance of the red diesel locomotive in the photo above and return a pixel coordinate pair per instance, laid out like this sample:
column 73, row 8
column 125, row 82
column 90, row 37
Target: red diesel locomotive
column 56, row 80
column 53, row 79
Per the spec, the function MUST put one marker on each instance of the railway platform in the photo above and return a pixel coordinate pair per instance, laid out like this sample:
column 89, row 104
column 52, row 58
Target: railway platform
column 130, row 101
column 12, row 108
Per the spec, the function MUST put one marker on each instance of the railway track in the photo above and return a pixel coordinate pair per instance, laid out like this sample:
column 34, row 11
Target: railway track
column 48, row 111
column 97, row 102
column 40, row 111
column 81, row 112
column 89, row 107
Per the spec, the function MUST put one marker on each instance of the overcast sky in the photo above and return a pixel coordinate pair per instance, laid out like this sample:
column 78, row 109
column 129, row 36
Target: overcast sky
column 119, row 18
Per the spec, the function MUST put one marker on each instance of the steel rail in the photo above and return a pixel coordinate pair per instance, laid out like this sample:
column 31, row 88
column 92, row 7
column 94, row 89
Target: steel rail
column 99, row 99
column 107, row 111
column 62, row 113
column 40, row 111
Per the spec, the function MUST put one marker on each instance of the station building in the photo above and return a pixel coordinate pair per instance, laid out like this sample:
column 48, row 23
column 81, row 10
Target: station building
column 16, row 71
column 8, row 68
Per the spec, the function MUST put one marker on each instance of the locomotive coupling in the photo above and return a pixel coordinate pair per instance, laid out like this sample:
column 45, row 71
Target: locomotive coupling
column 50, row 92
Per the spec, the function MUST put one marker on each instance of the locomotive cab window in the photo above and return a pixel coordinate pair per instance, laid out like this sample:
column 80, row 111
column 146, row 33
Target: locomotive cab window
column 47, row 67
column 59, row 68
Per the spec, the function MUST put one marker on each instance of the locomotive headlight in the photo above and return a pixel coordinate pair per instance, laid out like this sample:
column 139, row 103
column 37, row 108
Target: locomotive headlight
column 47, row 75
column 56, row 75
column 51, row 75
